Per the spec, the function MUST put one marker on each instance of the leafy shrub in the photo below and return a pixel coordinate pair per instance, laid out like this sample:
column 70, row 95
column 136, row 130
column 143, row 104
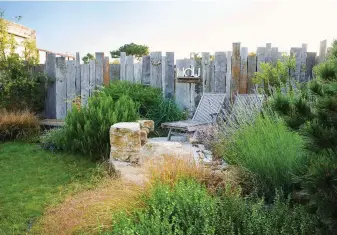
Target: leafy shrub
column 18, row 125
column 20, row 88
column 152, row 105
column 186, row 208
column 269, row 150
column 86, row 130
column 319, row 181
column 237, row 215
column 273, row 75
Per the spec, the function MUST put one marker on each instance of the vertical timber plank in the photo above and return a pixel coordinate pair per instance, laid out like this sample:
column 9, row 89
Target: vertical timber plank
column 61, row 88
column 99, row 68
column 129, row 70
column 137, row 72
column 92, row 77
column 156, row 69
column 163, row 66
column 220, row 61
column 146, row 74
column 243, row 71
column 50, row 69
column 106, row 71
column 303, row 60
column 122, row 66
column 205, row 67
column 310, row 63
column 322, row 50
column 114, row 72
column 78, row 74
column 169, row 75
column 229, row 72
column 274, row 55
column 268, row 53
column 296, row 52
column 211, row 76
column 261, row 57
column 251, row 72
column 236, row 64
column 85, row 84
column 71, row 69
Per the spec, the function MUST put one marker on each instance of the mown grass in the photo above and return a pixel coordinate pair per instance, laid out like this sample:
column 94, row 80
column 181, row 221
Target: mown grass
column 32, row 179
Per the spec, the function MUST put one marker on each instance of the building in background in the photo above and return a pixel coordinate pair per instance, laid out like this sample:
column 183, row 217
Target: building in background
column 22, row 33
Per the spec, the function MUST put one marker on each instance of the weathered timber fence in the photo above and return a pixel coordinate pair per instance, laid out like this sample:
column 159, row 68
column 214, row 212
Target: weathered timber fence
column 227, row 72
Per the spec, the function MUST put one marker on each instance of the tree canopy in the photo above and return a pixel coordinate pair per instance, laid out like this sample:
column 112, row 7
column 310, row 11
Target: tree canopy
column 86, row 59
column 131, row 49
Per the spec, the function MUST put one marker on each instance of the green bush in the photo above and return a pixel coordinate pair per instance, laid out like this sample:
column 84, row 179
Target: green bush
column 152, row 105
column 87, row 130
column 319, row 181
column 185, row 209
column 274, row 75
column 188, row 209
column 237, row 215
column 269, row 150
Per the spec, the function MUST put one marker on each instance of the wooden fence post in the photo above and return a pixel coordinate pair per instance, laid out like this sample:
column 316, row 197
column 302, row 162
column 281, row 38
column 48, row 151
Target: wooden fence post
column 303, row 60
column 122, row 66
column 78, row 74
column 50, row 69
column 243, row 71
column 61, row 88
column 156, row 69
column 205, row 67
column 169, row 75
column 106, row 71
column 71, row 69
column 99, row 68
column 92, row 77
column 296, row 52
column 322, row 50
column 146, row 74
column 229, row 73
column 310, row 63
column 251, row 72
column 220, row 62
column 236, row 62
column 115, row 72
column 129, row 69
column 85, row 84
column 268, row 53
column 137, row 72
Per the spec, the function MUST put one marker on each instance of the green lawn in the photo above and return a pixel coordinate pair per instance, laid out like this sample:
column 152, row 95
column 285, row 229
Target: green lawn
column 31, row 179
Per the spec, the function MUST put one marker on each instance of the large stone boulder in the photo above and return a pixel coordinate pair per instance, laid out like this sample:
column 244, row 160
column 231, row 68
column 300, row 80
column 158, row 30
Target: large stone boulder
column 125, row 141
column 157, row 149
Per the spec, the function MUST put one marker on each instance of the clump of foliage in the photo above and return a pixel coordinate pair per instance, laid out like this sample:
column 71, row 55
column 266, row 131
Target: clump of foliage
column 275, row 74
column 86, row 130
column 86, row 59
column 18, row 125
column 20, row 88
column 131, row 49
column 312, row 111
column 269, row 150
column 187, row 208
column 152, row 105
column 293, row 103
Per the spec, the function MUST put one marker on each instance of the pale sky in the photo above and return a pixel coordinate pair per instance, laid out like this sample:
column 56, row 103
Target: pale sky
column 178, row 26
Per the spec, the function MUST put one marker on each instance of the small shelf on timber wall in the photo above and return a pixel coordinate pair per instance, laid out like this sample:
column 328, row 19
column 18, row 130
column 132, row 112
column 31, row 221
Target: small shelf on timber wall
column 196, row 80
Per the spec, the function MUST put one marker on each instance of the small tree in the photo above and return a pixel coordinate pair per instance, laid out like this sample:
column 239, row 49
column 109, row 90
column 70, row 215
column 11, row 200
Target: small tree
column 275, row 74
column 131, row 49
column 19, row 87
column 86, row 59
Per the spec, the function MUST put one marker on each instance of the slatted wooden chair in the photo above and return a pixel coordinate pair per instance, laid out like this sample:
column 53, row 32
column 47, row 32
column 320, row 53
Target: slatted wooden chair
column 206, row 113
